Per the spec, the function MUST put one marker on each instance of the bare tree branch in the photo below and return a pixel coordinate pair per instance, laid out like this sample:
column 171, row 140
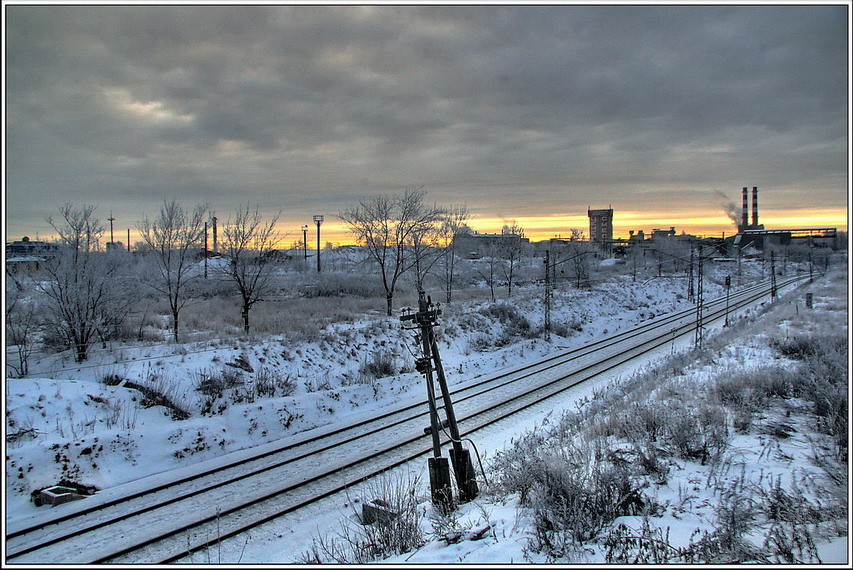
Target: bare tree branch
column 249, row 243
column 174, row 236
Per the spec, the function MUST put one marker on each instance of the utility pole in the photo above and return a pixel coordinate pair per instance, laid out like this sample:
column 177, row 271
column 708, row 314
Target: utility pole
column 772, row 276
column 690, row 277
column 739, row 255
column 547, row 295
column 697, row 342
column 305, row 242
column 111, row 219
column 205, row 250
column 811, row 269
column 728, row 288
column 214, row 234
column 439, row 470
column 128, row 240
column 318, row 219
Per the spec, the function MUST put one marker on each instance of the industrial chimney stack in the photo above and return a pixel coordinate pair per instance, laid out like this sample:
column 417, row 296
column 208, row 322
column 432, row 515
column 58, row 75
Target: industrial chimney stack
column 745, row 217
column 755, row 206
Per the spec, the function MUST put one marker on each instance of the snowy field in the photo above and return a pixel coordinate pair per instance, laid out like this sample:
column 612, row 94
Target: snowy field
column 93, row 424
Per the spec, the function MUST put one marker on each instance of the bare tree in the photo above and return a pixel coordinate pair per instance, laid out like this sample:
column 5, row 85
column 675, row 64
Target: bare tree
column 424, row 247
column 453, row 221
column 249, row 244
column 22, row 323
column 386, row 225
column 80, row 284
column 511, row 249
column 578, row 251
column 636, row 259
column 488, row 266
column 174, row 236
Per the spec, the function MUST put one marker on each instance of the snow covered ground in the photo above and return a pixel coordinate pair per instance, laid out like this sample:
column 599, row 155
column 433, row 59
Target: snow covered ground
column 63, row 422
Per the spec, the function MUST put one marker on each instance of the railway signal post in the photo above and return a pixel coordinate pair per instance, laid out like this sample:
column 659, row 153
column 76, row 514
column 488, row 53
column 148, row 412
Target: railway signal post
column 728, row 289
column 439, row 470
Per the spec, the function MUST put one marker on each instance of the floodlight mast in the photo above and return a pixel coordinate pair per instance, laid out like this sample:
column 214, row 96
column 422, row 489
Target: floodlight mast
column 318, row 219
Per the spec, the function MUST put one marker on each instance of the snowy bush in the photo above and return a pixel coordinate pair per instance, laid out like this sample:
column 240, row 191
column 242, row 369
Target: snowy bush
column 342, row 284
column 363, row 542
column 271, row 383
column 212, row 382
column 821, row 378
column 380, row 363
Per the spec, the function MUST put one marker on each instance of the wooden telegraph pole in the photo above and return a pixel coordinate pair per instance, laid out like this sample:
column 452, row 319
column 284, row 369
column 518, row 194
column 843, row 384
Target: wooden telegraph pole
column 439, row 469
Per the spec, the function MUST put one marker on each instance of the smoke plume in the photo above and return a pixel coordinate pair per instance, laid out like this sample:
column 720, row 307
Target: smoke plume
column 730, row 208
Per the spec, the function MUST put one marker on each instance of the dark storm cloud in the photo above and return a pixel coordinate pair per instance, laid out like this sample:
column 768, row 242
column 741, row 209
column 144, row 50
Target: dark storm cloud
column 317, row 106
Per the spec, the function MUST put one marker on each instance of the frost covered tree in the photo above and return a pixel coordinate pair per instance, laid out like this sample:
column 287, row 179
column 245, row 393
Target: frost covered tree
column 510, row 250
column 386, row 226
column 453, row 221
column 82, row 282
column 22, row 323
column 489, row 265
column 577, row 253
column 424, row 249
column 175, row 236
column 248, row 242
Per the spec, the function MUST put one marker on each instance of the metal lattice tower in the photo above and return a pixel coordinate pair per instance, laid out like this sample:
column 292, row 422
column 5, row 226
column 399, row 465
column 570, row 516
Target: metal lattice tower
column 690, row 277
column 700, row 329
column 548, row 295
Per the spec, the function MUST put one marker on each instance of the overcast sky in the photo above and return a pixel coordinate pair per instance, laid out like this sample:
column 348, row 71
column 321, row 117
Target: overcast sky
column 662, row 112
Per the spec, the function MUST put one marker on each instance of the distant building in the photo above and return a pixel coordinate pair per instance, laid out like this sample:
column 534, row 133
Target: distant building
column 600, row 225
column 18, row 265
column 27, row 247
column 474, row 245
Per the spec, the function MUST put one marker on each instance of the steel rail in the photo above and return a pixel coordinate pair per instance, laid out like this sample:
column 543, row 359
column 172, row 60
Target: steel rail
column 588, row 372
column 515, row 374
column 743, row 298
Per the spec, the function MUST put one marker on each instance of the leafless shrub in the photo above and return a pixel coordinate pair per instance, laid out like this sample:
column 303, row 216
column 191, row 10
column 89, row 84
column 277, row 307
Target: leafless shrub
column 163, row 390
column 342, row 284
column 791, row 543
column 738, row 391
column 272, row 383
column 378, row 364
column 480, row 342
column 571, row 489
column 571, row 506
column 213, row 382
column 357, row 543
column 821, row 378
column 646, row 546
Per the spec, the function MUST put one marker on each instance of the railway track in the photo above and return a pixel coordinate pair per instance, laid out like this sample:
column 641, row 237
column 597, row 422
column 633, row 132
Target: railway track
column 218, row 499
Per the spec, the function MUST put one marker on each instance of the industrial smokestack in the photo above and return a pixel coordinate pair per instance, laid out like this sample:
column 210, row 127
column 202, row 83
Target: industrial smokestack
column 755, row 206
column 745, row 216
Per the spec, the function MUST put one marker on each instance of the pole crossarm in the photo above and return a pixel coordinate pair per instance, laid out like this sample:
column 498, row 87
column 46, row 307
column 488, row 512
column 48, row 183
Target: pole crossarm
column 424, row 321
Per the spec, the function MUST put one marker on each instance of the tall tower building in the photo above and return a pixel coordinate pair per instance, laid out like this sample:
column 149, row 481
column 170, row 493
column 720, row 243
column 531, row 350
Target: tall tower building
column 600, row 225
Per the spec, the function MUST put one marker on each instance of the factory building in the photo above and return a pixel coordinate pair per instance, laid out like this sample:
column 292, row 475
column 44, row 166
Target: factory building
column 600, row 225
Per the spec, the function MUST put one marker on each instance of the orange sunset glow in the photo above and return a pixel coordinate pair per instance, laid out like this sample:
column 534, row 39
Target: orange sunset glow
column 538, row 228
